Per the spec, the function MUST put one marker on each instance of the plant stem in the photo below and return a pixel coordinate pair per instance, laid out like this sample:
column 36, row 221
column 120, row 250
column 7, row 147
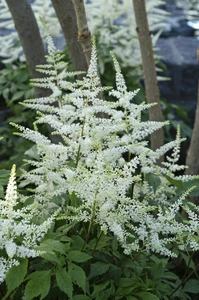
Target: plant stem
column 97, row 242
column 79, row 148
column 91, row 221
column 183, row 280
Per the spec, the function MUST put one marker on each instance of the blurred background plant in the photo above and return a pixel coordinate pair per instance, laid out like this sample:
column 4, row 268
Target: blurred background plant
column 14, row 87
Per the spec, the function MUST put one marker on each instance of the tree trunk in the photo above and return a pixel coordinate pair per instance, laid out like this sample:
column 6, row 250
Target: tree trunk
column 84, row 35
column 67, row 17
column 192, row 160
column 28, row 31
column 150, row 76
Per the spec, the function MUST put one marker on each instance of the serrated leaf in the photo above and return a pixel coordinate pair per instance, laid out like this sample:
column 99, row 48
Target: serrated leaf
column 4, row 173
column 78, row 256
column 54, row 245
column 33, row 152
column 16, row 276
column 4, row 176
column 51, row 256
column 64, row 282
column 153, row 181
column 147, row 296
column 81, row 297
column 105, row 294
column 98, row 268
column 178, row 183
column 38, row 284
column 100, row 287
column 187, row 260
column 192, row 286
column 189, row 184
column 48, row 253
column 125, row 282
column 17, row 95
column 77, row 275
column 170, row 275
column 78, row 241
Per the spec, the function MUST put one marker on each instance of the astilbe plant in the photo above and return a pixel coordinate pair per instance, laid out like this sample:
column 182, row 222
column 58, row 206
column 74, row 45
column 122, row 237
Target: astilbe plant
column 19, row 236
column 101, row 174
column 105, row 162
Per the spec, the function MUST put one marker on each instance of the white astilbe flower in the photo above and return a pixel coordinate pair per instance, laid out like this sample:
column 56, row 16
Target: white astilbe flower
column 105, row 165
column 19, row 236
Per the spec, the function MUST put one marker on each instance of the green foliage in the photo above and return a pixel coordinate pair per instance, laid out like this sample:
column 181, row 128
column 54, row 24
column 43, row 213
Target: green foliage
column 4, row 176
column 64, row 282
column 78, row 258
column 38, row 284
column 14, row 87
column 177, row 115
column 108, row 274
column 16, row 276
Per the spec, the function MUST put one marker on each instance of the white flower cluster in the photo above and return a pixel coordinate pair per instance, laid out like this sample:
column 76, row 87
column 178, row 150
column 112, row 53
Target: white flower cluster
column 105, row 164
column 113, row 21
column 18, row 234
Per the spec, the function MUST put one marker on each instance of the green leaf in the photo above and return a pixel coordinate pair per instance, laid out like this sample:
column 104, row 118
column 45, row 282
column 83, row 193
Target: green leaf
column 78, row 242
column 81, row 297
column 78, row 256
column 188, row 261
column 48, row 253
column 100, row 287
column 16, row 276
column 130, row 298
column 124, row 282
column 33, row 152
column 54, row 245
column 192, row 286
column 170, row 275
column 4, row 176
column 39, row 284
column 158, row 270
column 1, row 192
column 17, row 95
column 75, row 201
column 4, row 173
column 6, row 93
column 105, row 294
column 77, row 275
column 50, row 256
column 153, row 181
column 98, row 268
column 64, row 282
column 147, row 296
column 178, row 183
column 191, row 183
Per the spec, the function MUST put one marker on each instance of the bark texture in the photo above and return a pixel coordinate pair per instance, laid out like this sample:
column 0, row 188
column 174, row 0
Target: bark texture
column 150, row 76
column 29, row 35
column 67, row 17
column 192, row 160
column 84, row 35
